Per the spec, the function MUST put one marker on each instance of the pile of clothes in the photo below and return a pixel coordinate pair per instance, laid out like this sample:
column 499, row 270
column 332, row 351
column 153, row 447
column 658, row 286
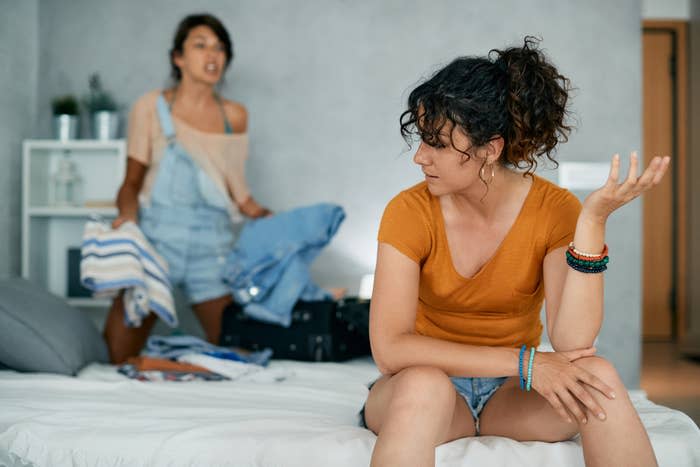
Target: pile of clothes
column 188, row 358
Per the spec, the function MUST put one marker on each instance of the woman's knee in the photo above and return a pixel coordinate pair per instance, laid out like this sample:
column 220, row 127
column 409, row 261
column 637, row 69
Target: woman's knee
column 422, row 386
column 602, row 368
column 409, row 393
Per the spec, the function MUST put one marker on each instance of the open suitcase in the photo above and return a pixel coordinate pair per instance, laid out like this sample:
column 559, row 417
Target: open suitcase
column 320, row 331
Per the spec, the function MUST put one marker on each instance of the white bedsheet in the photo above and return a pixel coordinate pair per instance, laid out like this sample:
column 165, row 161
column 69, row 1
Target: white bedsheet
column 102, row 419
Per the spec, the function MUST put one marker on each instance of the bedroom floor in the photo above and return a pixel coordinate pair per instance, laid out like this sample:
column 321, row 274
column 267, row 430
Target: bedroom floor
column 671, row 379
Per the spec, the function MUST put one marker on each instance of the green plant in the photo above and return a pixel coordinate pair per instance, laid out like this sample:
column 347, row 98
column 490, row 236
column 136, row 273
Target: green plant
column 98, row 99
column 65, row 105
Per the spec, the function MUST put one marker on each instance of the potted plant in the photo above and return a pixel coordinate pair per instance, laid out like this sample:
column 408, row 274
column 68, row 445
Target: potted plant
column 103, row 110
column 65, row 117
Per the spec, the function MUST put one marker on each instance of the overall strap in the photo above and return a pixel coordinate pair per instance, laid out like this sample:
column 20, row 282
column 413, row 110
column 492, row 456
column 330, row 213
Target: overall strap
column 166, row 121
column 228, row 129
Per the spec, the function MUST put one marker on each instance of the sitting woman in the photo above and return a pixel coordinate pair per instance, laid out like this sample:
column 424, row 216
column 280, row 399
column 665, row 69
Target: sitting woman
column 466, row 259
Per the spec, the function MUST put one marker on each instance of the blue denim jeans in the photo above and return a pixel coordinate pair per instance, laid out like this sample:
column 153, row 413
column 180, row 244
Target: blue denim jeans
column 268, row 271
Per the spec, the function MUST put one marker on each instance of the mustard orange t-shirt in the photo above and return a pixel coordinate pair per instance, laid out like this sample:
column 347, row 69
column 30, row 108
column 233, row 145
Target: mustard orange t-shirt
column 500, row 305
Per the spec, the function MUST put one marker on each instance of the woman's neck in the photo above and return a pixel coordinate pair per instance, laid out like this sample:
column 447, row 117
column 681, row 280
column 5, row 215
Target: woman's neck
column 193, row 95
column 506, row 186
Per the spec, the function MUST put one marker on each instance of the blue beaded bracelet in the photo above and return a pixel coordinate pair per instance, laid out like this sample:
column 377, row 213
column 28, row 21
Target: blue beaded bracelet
column 587, row 270
column 593, row 267
column 520, row 367
column 529, row 369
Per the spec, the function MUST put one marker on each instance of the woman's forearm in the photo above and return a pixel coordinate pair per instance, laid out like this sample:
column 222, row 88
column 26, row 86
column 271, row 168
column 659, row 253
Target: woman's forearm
column 580, row 313
column 408, row 350
column 127, row 202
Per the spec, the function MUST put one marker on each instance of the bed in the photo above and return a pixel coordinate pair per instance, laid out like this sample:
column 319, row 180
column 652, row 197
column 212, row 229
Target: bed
column 101, row 418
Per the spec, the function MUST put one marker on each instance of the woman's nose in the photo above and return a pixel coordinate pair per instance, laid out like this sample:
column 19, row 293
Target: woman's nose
column 422, row 156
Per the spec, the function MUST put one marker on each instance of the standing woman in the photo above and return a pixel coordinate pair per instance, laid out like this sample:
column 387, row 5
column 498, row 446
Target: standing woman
column 467, row 257
column 185, row 180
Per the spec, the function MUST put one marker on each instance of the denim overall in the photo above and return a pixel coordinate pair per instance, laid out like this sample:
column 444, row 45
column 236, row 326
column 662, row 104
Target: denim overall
column 188, row 220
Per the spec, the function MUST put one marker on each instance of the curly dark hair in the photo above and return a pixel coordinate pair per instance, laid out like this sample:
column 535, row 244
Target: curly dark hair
column 183, row 29
column 513, row 93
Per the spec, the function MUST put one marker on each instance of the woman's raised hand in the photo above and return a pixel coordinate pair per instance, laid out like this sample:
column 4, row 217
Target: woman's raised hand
column 602, row 202
column 566, row 386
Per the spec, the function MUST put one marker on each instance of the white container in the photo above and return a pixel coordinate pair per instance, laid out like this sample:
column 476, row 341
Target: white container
column 65, row 127
column 105, row 125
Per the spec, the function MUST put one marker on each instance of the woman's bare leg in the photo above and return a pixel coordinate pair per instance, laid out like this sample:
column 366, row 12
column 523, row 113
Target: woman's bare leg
column 412, row 412
column 122, row 341
column 619, row 440
column 209, row 314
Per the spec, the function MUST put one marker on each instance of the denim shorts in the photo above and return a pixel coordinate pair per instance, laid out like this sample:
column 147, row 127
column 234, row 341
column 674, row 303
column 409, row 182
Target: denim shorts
column 475, row 391
column 195, row 246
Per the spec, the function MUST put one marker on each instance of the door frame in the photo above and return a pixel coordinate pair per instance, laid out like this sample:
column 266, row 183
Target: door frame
column 679, row 167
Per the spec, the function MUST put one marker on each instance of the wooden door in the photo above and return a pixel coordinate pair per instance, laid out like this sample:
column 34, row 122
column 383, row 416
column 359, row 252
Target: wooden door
column 663, row 227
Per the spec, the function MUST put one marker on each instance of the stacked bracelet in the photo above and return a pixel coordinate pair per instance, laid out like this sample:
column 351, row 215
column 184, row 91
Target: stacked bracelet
column 525, row 376
column 587, row 262
column 529, row 369
column 520, row 367
column 581, row 255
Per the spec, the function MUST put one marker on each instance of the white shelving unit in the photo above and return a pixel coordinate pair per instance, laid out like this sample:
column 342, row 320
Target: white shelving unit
column 48, row 231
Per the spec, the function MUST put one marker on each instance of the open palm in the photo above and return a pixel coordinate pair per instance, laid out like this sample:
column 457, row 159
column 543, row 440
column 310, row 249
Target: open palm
column 602, row 202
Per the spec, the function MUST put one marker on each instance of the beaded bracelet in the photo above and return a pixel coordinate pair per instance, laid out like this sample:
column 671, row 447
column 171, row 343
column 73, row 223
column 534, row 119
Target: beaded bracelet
column 590, row 263
column 520, row 367
column 585, row 256
column 529, row 369
column 587, row 262
column 587, row 266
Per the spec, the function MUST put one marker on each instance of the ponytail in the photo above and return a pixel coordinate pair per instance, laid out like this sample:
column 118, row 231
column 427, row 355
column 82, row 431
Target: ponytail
column 536, row 100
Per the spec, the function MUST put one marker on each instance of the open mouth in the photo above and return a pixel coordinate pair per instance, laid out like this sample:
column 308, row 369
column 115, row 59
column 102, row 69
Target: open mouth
column 212, row 68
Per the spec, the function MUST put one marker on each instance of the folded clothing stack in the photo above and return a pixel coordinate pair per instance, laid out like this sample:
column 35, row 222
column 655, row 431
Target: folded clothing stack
column 188, row 358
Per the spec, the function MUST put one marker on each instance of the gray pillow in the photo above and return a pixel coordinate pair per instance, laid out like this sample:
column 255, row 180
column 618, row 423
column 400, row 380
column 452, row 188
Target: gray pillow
column 41, row 332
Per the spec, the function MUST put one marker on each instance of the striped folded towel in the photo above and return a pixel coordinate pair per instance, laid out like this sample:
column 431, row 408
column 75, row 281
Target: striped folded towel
column 123, row 259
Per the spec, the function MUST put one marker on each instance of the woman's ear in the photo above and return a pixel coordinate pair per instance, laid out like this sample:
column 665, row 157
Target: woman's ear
column 494, row 149
column 177, row 58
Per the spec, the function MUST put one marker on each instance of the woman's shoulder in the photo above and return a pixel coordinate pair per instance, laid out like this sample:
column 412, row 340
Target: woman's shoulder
column 413, row 201
column 419, row 193
column 146, row 102
column 551, row 189
column 552, row 194
column 237, row 114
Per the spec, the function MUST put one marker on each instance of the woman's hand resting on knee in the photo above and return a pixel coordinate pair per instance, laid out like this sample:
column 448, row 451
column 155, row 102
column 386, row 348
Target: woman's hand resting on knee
column 558, row 379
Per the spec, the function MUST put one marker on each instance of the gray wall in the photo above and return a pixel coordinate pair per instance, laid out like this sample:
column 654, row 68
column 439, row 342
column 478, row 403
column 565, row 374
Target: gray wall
column 325, row 81
column 19, row 41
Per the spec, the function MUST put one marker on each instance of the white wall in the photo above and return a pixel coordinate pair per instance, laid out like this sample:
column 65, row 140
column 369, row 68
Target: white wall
column 666, row 9
column 19, row 41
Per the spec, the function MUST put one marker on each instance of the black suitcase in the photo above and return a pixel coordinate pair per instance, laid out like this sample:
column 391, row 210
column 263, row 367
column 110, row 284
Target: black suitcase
column 320, row 331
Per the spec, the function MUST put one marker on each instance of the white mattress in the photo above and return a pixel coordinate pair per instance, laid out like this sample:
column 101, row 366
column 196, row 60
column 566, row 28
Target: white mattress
column 101, row 418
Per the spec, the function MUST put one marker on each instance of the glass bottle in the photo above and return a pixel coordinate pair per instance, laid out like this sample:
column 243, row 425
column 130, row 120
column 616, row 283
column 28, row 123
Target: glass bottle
column 67, row 184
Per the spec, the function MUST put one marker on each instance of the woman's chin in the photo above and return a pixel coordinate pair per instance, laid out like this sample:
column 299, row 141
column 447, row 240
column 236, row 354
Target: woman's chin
column 436, row 190
column 210, row 80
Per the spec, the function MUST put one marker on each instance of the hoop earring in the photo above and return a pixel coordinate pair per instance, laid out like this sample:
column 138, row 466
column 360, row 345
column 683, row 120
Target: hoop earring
column 483, row 177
